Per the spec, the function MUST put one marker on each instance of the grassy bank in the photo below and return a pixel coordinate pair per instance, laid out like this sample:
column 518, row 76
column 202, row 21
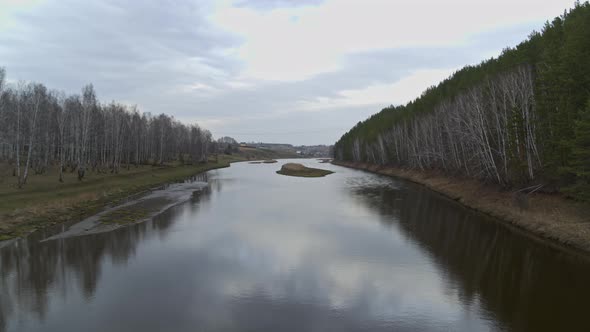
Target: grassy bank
column 292, row 169
column 44, row 201
column 551, row 217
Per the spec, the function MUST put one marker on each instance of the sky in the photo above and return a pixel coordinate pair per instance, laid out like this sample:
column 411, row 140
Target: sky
column 284, row 71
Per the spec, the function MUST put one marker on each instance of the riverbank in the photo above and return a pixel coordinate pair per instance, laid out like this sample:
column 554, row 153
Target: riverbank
column 551, row 217
column 45, row 202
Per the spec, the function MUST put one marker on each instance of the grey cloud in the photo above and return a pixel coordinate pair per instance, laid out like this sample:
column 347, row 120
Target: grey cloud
column 261, row 110
column 118, row 45
column 299, row 127
column 272, row 4
column 145, row 52
column 359, row 71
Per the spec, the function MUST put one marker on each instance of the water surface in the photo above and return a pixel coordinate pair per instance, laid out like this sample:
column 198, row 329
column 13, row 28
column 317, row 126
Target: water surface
column 257, row 251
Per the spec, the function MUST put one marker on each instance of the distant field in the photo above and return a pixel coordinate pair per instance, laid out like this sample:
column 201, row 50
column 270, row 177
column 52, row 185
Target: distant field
column 252, row 153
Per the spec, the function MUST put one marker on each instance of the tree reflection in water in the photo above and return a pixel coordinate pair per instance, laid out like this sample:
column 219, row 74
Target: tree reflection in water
column 29, row 268
column 274, row 251
column 523, row 284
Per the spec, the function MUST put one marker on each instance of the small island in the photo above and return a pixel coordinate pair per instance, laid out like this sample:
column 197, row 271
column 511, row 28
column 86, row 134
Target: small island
column 293, row 169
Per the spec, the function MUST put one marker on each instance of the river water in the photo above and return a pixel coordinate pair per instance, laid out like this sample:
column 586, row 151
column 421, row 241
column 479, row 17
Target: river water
column 258, row 251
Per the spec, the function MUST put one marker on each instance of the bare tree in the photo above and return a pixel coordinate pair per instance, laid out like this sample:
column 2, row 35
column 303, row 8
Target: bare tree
column 480, row 132
column 79, row 133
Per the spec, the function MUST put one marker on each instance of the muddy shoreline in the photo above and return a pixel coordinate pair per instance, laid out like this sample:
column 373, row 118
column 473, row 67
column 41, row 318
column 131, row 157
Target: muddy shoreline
column 136, row 210
column 76, row 213
column 552, row 219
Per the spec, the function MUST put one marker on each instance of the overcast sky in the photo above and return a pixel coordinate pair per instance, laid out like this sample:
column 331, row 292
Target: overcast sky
column 292, row 71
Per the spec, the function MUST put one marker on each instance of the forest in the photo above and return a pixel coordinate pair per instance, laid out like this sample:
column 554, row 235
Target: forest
column 518, row 120
column 42, row 128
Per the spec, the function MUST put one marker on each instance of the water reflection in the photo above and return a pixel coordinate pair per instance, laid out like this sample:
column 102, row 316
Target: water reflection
column 256, row 251
column 32, row 272
column 521, row 285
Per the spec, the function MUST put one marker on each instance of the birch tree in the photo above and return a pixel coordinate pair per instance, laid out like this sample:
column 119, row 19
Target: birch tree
column 78, row 133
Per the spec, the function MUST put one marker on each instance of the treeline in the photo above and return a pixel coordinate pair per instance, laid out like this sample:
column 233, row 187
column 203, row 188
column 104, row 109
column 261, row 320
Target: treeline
column 40, row 128
column 515, row 120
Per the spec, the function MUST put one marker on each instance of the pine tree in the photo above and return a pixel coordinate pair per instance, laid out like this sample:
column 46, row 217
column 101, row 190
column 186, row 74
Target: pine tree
column 581, row 156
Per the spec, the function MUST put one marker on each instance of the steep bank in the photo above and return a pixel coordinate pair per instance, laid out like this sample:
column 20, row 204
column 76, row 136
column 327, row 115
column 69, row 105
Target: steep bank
column 551, row 217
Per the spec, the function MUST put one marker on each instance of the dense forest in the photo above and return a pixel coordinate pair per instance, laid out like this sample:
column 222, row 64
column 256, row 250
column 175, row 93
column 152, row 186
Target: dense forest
column 520, row 119
column 41, row 128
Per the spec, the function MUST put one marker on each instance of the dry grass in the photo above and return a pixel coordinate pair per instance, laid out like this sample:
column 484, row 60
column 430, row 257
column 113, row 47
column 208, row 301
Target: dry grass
column 548, row 216
column 44, row 201
column 293, row 167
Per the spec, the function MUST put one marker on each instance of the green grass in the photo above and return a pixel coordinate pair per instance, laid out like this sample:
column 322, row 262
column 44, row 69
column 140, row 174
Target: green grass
column 44, row 201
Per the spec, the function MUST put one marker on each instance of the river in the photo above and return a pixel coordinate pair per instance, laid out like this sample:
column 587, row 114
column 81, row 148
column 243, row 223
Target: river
column 256, row 251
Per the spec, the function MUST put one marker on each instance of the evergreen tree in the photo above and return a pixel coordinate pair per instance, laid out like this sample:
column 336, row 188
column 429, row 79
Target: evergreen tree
column 517, row 119
column 581, row 156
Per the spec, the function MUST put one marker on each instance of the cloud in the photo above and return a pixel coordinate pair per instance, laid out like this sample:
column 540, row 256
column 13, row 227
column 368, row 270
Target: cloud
column 274, row 4
column 119, row 45
column 12, row 7
column 277, row 47
column 259, row 67
column 400, row 92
